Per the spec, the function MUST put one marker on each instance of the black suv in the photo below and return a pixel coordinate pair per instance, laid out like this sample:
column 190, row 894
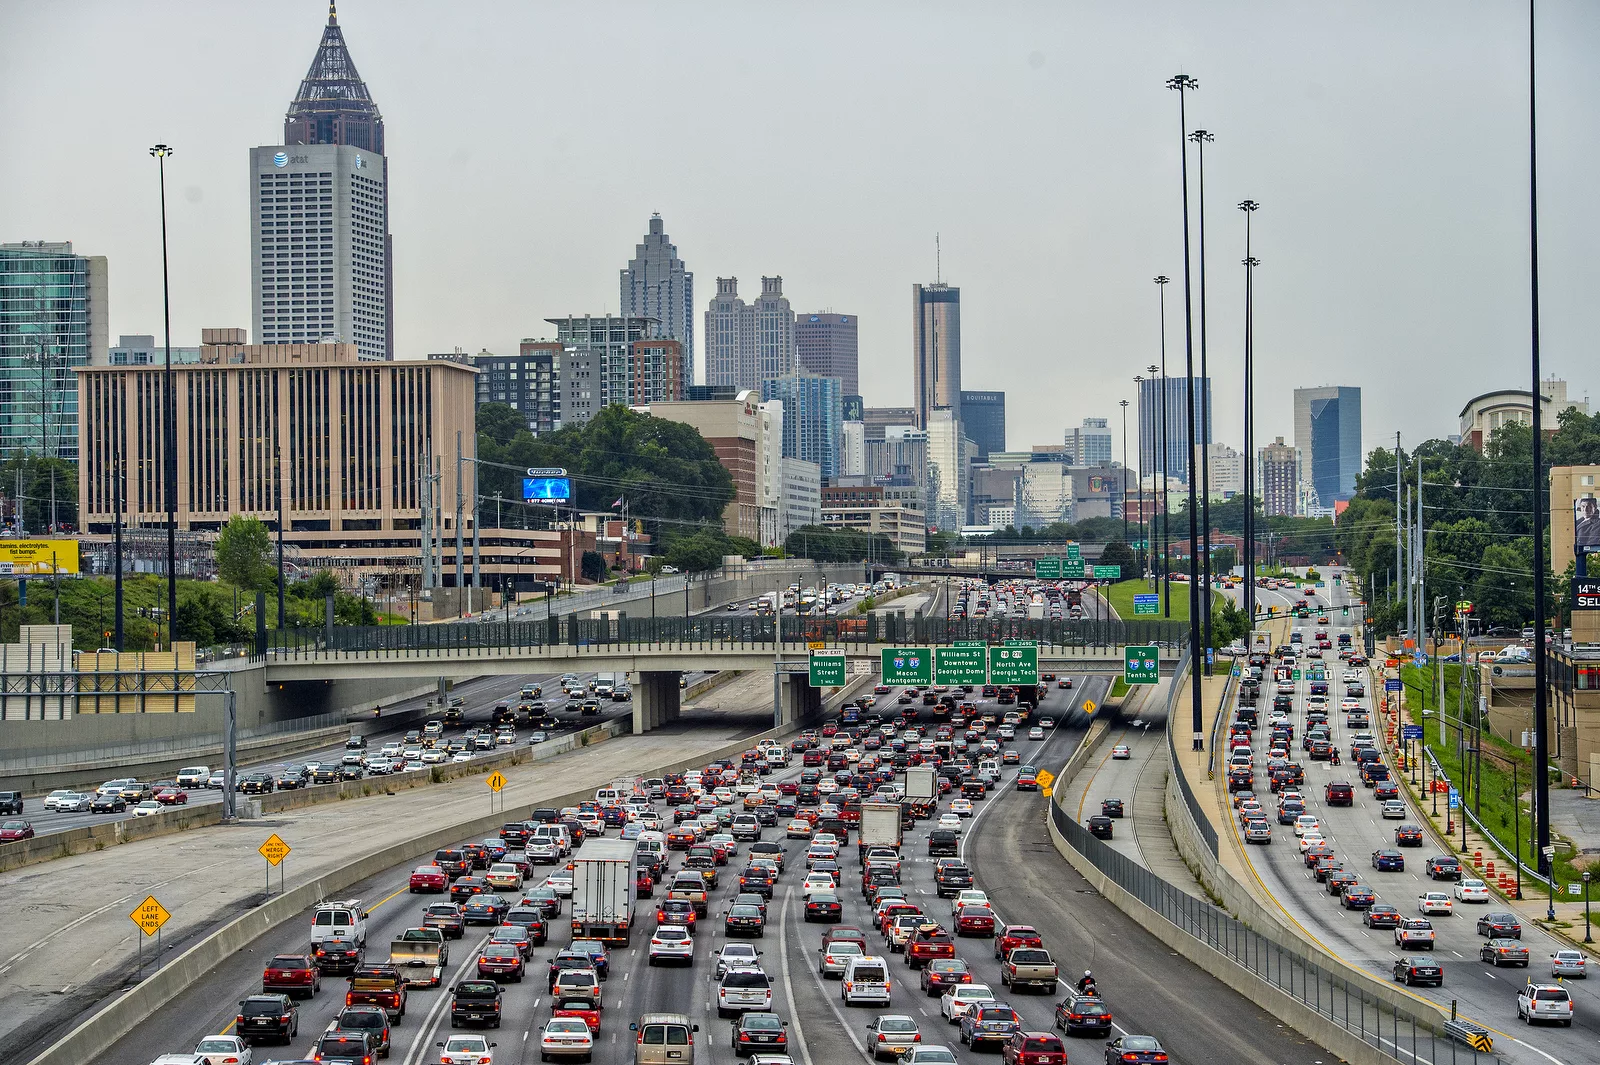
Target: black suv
column 943, row 842
column 951, row 880
column 267, row 1017
column 10, row 802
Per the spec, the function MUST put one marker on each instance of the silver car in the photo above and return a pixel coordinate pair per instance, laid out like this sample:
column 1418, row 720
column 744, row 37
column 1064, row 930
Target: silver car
column 1393, row 810
column 893, row 1034
column 1569, row 963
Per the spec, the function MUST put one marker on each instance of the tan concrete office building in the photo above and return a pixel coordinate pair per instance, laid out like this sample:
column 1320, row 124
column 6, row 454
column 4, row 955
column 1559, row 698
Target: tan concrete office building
column 345, row 444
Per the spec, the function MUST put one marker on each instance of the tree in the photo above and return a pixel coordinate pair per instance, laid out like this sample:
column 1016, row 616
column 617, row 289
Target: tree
column 594, row 566
column 1118, row 553
column 822, row 544
column 244, row 550
column 1224, row 558
column 501, row 422
column 49, row 491
column 1228, row 622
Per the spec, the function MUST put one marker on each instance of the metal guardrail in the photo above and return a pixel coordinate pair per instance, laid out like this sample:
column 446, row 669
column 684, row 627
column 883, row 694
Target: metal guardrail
column 719, row 632
column 1391, row 1031
column 1530, row 872
column 1208, row 831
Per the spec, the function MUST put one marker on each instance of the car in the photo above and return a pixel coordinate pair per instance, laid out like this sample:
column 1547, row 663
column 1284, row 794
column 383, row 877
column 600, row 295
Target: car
column 1408, row 836
column 1036, row 733
column 1498, row 952
column 1500, row 926
column 1257, row 830
column 370, row 1021
column 957, row 1000
column 745, row 921
column 108, row 804
column 1415, row 970
column 1112, row 807
column 1434, row 902
column 467, row 1050
column 1381, row 915
column 988, row 1022
column 671, row 943
column 267, row 1017
column 224, row 1050
column 736, row 956
column 1388, row 860
column 1356, row 897
column 428, row 878
column 941, row 974
column 1083, row 1013
column 1101, row 827
column 1121, row 752
column 1545, row 1002
column 1135, row 1050
column 892, row 1034
column 1414, row 932
column 757, row 1031
column 1306, row 823
column 15, row 831
column 1393, row 810
column 1472, row 890
column 565, row 1037
column 1443, row 867
column 172, row 797
column 502, row 961
column 1569, row 963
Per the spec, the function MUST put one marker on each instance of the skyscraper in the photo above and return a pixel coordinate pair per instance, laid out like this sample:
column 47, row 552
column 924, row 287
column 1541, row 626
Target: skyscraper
column 983, row 419
column 340, row 285
column 52, row 319
column 811, row 418
column 1280, row 479
column 825, row 345
column 1090, row 443
column 1177, row 434
column 950, row 456
column 600, row 364
column 936, row 350
column 655, row 284
column 748, row 343
column 1327, row 432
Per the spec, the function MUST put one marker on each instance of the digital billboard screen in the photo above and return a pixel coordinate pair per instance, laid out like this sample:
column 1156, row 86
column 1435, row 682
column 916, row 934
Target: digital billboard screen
column 547, row 489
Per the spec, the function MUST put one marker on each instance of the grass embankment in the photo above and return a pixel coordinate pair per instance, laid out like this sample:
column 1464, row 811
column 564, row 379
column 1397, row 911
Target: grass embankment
column 1121, row 596
column 1489, row 794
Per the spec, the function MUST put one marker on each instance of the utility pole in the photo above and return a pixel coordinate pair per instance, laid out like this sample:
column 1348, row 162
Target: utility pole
column 1422, row 577
column 1399, row 568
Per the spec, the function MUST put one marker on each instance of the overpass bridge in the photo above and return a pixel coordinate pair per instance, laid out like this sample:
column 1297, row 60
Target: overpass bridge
column 658, row 650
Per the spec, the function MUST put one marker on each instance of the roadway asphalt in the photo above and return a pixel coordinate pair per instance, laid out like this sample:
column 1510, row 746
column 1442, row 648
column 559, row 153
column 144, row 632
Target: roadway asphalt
column 480, row 695
column 1149, row 990
column 1481, row 993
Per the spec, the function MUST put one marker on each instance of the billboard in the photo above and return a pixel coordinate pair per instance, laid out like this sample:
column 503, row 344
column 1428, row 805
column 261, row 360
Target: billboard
column 854, row 409
column 546, row 489
column 1575, row 518
column 1586, row 532
column 38, row 558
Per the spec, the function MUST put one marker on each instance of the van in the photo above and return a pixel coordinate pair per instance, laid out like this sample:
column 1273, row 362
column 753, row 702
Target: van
column 664, row 1039
column 608, row 796
column 866, row 979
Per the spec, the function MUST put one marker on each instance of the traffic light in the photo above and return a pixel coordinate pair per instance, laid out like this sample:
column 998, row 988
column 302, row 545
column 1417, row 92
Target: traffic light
column 1346, row 611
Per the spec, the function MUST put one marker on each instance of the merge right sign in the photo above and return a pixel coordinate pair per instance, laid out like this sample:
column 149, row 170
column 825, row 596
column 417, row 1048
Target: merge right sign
column 1141, row 664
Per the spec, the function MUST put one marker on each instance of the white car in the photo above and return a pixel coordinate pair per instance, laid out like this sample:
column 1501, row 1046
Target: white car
column 1395, row 810
column 68, row 801
column 816, row 882
column 1306, row 823
column 146, row 808
column 476, row 1050
column 959, row 999
column 1309, row 840
column 1037, row 733
column 560, row 882
column 671, row 942
column 970, row 897
column 929, row 1056
column 224, row 1050
column 1472, row 891
column 392, row 750
column 565, row 1037
column 459, row 756
column 949, row 821
column 1121, row 753
column 961, row 807
column 433, row 756
column 737, row 956
column 1433, row 902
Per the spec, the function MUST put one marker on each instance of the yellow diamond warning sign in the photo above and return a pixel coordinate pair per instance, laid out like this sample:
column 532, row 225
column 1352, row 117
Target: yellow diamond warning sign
column 150, row 915
column 495, row 780
column 274, row 850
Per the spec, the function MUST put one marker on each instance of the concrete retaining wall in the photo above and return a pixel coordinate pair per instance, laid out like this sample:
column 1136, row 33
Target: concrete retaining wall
column 114, row 1020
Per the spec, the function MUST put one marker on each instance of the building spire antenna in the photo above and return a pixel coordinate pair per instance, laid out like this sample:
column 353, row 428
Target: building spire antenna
column 938, row 264
column 333, row 13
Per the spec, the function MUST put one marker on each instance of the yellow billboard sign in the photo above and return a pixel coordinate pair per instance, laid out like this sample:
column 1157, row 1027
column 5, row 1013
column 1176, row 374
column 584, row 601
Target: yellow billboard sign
column 38, row 558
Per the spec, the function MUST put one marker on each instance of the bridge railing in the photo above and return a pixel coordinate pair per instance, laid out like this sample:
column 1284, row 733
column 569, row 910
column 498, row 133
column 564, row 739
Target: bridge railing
column 711, row 632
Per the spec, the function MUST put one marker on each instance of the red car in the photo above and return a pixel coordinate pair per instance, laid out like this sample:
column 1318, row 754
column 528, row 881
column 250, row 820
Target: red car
column 1012, row 936
column 645, row 884
column 1027, row 780
column 591, row 1017
column 13, row 831
column 172, row 797
column 680, row 839
column 975, row 921
column 501, row 961
column 294, row 975
column 429, row 878
column 929, row 943
column 1033, row 1048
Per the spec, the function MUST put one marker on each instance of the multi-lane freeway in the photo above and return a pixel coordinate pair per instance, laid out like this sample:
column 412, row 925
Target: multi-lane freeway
column 1006, row 844
column 1482, row 992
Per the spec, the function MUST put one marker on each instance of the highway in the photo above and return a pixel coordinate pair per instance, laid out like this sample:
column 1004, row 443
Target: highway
column 480, row 695
column 1149, row 990
column 1481, row 993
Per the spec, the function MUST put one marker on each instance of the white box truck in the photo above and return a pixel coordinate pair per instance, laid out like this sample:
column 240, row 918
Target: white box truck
column 880, row 827
column 603, row 891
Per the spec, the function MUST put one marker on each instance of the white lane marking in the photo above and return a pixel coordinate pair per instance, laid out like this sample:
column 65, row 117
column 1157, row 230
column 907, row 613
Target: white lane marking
column 788, row 979
column 822, row 988
column 430, row 1023
column 25, row 951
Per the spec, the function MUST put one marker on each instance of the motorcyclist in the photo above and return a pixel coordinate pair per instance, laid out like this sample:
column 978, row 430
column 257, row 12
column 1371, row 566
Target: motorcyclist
column 1335, row 756
column 1086, row 985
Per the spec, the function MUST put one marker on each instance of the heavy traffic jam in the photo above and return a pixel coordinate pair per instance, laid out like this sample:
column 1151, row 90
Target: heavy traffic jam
column 672, row 918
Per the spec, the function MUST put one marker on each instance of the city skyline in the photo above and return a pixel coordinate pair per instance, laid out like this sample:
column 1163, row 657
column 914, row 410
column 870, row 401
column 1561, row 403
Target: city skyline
column 1320, row 211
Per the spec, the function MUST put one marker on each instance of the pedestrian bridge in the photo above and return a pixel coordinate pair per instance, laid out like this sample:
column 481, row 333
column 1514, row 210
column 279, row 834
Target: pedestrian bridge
column 657, row 650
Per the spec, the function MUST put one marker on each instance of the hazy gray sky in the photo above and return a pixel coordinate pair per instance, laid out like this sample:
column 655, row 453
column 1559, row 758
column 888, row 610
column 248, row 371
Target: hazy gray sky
column 828, row 142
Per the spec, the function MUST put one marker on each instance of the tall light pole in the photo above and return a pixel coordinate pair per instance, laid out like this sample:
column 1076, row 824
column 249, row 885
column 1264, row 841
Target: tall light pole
column 1142, row 558
column 169, row 412
column 1183, row 83
column 1166, row 570
column 1541, row 709
column 1201, row 138
column 1124, row 475
column 1249, row 207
